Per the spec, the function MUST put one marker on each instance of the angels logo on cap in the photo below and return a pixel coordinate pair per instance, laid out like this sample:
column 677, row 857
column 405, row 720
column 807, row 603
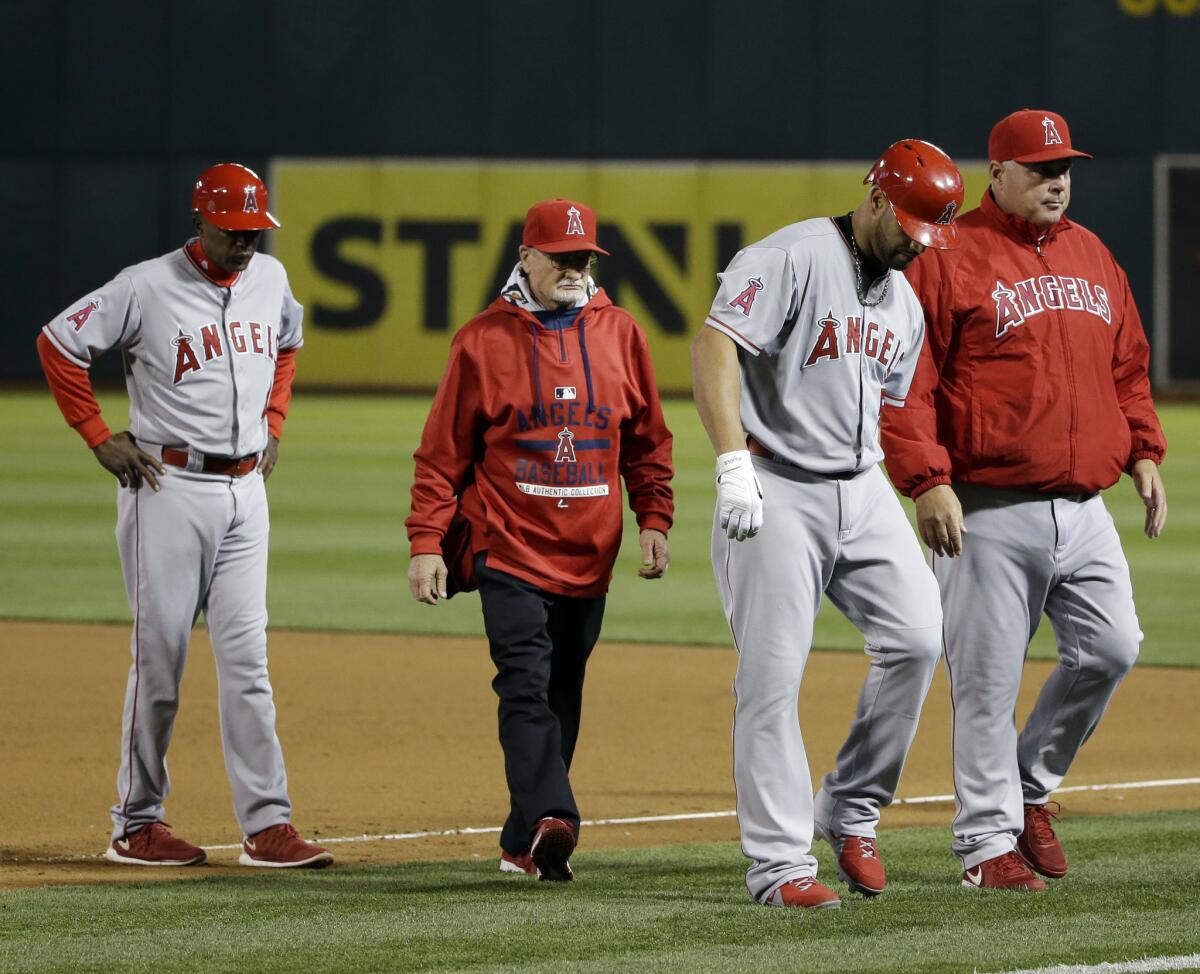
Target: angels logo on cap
column 1052, row 136
column 1032, row 135
column 561, row 226
column 251, row 203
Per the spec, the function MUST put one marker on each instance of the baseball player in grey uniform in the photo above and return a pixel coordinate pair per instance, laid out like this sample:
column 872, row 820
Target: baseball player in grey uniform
column 811, row 329
column 208, row 334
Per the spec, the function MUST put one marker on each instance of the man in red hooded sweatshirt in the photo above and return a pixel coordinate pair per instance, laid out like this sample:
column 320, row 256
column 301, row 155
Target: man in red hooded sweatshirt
column 548, row 401
column 1031, row 396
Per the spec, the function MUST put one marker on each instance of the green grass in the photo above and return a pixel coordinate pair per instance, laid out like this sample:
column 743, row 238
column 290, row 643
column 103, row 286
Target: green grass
column 339, row 554
column 1130, row 894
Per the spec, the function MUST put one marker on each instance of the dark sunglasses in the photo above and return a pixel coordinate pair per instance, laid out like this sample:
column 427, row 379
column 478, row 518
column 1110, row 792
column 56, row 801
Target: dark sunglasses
column 576, row 260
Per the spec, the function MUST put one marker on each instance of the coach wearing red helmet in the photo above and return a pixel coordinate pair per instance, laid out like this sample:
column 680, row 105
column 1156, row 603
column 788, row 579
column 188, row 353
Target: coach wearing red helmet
column 208, row 334
column 1031, row 397
column 547, row 403
column 812, row 329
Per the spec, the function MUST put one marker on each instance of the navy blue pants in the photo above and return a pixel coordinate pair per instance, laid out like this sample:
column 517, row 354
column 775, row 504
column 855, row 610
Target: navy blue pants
column 540, row 644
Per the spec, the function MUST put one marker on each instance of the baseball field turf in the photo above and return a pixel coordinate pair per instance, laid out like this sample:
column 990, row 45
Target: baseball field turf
column 339, row 498
column 339, row 554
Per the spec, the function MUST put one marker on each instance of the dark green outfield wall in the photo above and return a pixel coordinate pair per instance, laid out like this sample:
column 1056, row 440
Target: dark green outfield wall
column 110, row 110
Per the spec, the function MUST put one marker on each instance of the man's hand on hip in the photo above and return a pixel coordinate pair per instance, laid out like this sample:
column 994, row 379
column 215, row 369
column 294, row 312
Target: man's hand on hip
column 270, row 456
column 739, row 495
column 940, row 520
column 121, row 456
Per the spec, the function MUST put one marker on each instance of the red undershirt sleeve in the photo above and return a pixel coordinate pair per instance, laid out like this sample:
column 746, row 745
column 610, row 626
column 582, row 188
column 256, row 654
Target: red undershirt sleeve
column 281, row 391
column 72, row 390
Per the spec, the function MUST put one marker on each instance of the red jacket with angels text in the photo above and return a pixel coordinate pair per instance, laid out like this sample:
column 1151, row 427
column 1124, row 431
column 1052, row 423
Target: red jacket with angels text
column 1034, row 370
column 534, row 427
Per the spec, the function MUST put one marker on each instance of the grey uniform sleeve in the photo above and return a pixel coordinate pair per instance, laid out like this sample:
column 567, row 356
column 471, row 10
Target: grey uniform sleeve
column 105, row 319
column 900, row 375
column 291, row 319
column 756, row 299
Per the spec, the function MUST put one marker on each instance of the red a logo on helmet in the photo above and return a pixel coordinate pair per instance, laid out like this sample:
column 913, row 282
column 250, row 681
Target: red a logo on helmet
column 947, row 213
column 574, row 223
column 81, row 316
column 745, row 301
column 251, row 203
column 1052, row 136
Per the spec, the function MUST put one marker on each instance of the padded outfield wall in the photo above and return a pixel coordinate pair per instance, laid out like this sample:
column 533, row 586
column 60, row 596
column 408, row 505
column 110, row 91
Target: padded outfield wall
column 389, row 258
column 114, row 108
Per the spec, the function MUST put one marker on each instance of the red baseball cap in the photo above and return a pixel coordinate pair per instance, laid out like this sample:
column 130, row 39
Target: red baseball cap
column 561, row 226
column 1032, row 135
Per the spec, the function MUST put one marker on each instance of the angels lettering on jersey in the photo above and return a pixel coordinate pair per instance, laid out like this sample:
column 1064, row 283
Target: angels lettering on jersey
column 1017, row 303
column 836, row 337
column 192, row 354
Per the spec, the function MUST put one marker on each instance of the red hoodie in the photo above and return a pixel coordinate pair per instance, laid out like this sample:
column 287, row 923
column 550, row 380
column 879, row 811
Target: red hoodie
column 532, row 426
column 1034, row 370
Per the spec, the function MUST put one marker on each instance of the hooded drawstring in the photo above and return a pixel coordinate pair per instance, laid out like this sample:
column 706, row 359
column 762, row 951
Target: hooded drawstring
column 537, row 377
column 516, row 292
column 587, row 366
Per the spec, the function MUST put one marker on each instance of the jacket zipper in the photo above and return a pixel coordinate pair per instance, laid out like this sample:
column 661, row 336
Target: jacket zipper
column 1071, row 391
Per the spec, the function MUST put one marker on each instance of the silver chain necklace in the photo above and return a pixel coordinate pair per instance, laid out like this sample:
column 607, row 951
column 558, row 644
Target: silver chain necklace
column 858, row 277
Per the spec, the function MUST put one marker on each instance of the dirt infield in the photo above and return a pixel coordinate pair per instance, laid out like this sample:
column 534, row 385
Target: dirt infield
column 396, row 734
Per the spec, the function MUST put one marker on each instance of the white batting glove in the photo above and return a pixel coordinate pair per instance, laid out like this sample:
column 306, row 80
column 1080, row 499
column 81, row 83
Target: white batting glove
column 739, row 495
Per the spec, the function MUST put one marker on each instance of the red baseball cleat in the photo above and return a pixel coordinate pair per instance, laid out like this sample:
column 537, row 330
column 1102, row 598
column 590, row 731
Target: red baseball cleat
column 1038, row 843
column 154, row 845
column 280, row 847
column 522, row 865
column 858, row 862
column 1008, row 871
column 553, row 843
column 804, row 893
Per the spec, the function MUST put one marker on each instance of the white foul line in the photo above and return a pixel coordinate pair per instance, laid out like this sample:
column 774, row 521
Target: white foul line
column 1117, row 786
column 1148, row 964
column 698, row 816
column 648, row 819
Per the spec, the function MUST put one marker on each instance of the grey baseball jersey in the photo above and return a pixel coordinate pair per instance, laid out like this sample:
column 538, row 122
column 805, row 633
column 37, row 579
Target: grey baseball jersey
column 200, row 364
column 815, row 368
column 817, row 361
column 200, row 359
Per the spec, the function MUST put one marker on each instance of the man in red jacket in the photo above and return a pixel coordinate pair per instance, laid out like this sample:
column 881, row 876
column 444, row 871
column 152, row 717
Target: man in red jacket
column 1031, row 397
column 548, row 399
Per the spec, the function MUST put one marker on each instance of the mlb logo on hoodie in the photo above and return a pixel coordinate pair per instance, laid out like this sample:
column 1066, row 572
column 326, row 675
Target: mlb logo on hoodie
column 564, row 392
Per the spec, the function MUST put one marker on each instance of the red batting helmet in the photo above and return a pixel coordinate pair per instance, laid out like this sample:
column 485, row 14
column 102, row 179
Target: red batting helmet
column 923, row 188
column 232, row 197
